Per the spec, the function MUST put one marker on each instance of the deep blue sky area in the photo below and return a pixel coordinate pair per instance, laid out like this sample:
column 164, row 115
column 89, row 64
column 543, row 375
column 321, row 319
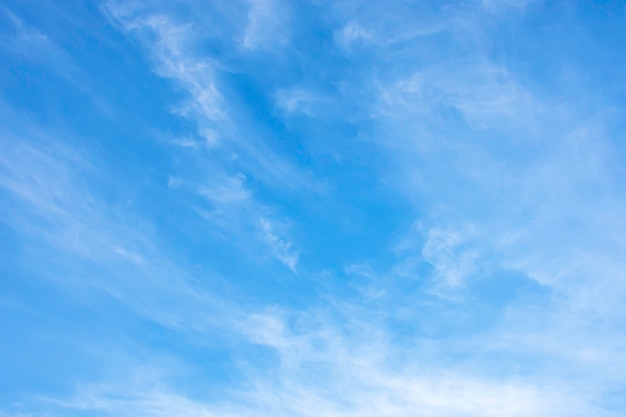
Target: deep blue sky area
column 267, row 208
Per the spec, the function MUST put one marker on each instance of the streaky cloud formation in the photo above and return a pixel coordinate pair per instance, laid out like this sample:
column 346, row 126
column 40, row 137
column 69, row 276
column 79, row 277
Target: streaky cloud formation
column 268, row 208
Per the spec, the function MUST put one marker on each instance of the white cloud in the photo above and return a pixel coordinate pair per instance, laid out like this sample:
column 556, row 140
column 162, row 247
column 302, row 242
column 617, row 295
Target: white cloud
column 231, row 190
column 444, row 250
column 84, row 241
column 174, row 182
column 186, row 143
column 210, row 136
column 352, row 33
column 281, row 248
column 169, row 45
column 268, row 25
column 233, row 209
column 296, row 100
column 339, row 368
column 470, row 144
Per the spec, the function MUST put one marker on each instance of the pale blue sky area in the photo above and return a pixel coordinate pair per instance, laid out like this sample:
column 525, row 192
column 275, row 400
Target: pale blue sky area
column 312, row 208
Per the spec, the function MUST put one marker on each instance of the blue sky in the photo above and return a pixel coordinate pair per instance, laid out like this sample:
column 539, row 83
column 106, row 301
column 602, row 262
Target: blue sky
column 317, row 208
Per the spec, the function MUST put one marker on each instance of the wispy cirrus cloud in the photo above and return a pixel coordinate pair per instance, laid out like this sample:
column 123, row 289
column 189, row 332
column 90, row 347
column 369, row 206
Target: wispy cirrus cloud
column 346, row 370
column 57, row 191
column 268, row 24
column 171, row 47
column 441, row 202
